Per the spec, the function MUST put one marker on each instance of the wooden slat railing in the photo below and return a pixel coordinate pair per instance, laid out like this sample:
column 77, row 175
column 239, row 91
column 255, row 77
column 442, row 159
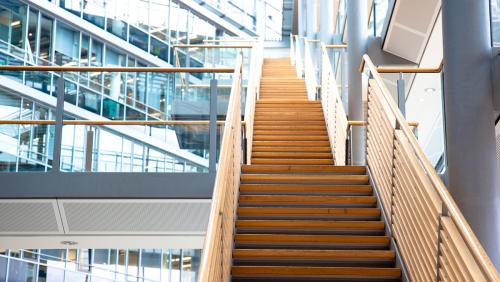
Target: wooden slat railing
column 256, row 61
column 216, row 257
column 333, row 110
column 309, row 71
column 435, row 240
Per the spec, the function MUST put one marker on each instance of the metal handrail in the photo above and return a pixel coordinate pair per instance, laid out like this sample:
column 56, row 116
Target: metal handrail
column 463, row 227
column 339, row 46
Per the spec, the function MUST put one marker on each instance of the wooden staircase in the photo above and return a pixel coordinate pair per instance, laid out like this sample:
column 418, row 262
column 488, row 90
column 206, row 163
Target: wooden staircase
column 300, row 217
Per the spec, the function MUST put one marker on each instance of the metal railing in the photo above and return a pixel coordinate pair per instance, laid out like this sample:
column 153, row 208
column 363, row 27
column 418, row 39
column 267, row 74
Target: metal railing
column 216, row 258
column 59, row 121
column 435, row 240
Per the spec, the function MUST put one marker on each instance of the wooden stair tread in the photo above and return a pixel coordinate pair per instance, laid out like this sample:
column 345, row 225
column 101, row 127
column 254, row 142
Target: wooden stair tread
column 304, row 188
column 315, row 271
column 314, row 254
column 277, row 212
column 311, row 239
column 310, row 224
column 298, row 178
column 304, row 168
column 275, row 161
column 290, row 149
column 291, row 143
column 306, row 200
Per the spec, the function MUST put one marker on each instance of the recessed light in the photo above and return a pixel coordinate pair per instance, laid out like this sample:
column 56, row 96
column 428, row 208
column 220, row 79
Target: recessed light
column 430, row 90
column 69, row 243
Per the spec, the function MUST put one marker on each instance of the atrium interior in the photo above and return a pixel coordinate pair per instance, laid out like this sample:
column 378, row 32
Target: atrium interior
column 249, row 140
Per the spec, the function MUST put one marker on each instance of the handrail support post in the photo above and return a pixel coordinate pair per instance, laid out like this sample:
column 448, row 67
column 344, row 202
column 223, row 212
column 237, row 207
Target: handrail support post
column 58, row 130
column 401, row 94
column 89, row 149
column 212, row 131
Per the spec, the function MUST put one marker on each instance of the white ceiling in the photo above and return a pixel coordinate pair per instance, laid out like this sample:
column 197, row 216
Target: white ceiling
column 410, row 27
column 111, row 222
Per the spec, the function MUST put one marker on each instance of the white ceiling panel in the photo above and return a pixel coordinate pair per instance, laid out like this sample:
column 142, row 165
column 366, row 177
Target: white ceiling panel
column 410, row 27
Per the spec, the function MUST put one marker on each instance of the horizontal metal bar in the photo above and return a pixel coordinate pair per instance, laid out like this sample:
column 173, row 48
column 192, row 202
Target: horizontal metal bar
column 116, row 122
column 116, row 69
column 211, row 46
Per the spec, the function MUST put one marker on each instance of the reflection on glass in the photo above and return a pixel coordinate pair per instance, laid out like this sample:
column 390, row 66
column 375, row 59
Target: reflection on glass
column 93, row 11
column 114, row 82
column 45, row 46
column 67, row 45
column 20, row 271
column 138, row 38
column 175, row 272
column 190, row 265
column 495, row 22
column 32, row 35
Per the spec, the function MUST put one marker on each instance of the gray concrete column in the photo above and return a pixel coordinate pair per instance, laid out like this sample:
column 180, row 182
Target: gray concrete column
column 469, row 116
column 357, row 34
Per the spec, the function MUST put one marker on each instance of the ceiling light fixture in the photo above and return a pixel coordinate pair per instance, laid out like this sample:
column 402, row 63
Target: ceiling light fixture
column 69, row 243
column 430, row 90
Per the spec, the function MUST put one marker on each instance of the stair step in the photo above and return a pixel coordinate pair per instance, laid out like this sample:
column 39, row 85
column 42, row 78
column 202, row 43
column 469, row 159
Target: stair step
column 287, row 101
column 279, row 110
column 305, row 178
column 292, row 118
column 302, row 200
column 289, row 123
column 290, row 149
column 291, row 132
column 294, row 255
column 308, row 226
column 315, row 272
column 273, row 161
column 300, row 189
column 307, row 213
column 279, row 241
column 290, row 138
column 291, row 143
column 303, row 168
column 292, row 155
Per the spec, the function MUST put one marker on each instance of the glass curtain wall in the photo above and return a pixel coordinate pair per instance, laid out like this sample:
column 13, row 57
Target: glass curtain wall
column 99, row 265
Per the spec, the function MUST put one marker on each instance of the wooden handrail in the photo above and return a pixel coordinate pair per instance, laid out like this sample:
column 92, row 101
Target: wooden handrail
column 363, row 123
column 312, row 40
column 463, row 227
column 335, row 46
column 408, row 70
column 113, row 122
column 115, row 69
column 216, row 257
column 212, row 46
column 230, row 40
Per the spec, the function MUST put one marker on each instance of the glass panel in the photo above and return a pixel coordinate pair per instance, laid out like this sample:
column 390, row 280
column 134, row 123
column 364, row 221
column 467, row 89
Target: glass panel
column 93, row 11
column 10, row 108
column 114, row 82
column 89, row 100
column 67, row 45
column 112, row 109
column 150, row 264
column 32, row 35
column 96, row 61
column 159, row 48
column 133, row 262
column 73, row 6
column 116, row 13
column 138, row 38
column 138, row 13
column 190, row 265
column 20, row 271
column 176, row 265
column 45, row 41
column 165, row 266
column 495, row 22
column 3, row 268
column 159, row 19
